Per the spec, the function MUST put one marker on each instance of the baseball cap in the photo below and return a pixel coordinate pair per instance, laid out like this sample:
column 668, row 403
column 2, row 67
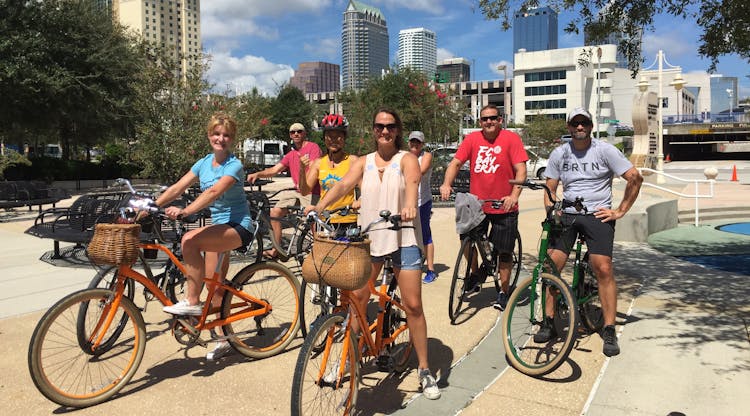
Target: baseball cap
column 579, row 111
column 417, row 135
column 296, row 126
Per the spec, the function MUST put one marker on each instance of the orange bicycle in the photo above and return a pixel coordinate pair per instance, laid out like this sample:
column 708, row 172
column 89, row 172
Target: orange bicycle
column 326, row 376
column 89, row 344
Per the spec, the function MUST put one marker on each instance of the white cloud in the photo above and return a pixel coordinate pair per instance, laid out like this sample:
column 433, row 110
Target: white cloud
column 443, row 53
column 429, row 6
column 241, row 74
column 509, row 68
column 324, row 48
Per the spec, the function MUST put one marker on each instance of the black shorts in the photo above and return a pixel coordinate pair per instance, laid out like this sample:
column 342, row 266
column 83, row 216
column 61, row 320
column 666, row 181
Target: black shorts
column 245, row 235
column 503, row 233
column 599, row 236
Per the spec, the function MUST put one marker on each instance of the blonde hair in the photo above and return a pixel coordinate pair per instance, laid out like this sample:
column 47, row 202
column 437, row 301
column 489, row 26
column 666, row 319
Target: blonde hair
column 224, row 120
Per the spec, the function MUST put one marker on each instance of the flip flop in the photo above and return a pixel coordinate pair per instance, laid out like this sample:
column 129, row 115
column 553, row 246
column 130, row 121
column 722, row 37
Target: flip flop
column 270, row 254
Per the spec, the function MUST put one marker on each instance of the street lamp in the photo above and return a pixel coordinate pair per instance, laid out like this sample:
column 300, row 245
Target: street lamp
column 598, row 90
column 729, row 93
column 504, row 68
column 678, row 83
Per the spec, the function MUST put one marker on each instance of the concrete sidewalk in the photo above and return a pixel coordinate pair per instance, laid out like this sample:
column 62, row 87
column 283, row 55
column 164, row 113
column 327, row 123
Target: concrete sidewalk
column 685, row 345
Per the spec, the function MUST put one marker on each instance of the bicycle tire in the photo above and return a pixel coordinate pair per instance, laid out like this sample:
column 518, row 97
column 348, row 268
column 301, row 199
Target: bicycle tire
column 68, row 374
column 106, row 278
column 303, row 242
column 590, row 307
column 315, row 300
column 176, row 281
column 521, row 321
column 263, row 335
column 312, row 394
column 400, row 349
column 461, row 273
column 516, row 265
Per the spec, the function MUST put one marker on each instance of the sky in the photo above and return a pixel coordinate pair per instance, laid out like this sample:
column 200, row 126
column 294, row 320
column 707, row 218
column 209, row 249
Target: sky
column 260, row 43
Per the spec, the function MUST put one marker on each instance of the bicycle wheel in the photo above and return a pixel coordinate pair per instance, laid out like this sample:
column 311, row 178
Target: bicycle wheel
column 522, row 319
column 401, row 347
column 175, row 288
column 515, row 268
column 321, row 386
column 315, row 301
column 268, row 334
column 588, row 296
column 61, row 364
column 106, row 278
column 303, row 242
column 255, row 249
column 461, row 273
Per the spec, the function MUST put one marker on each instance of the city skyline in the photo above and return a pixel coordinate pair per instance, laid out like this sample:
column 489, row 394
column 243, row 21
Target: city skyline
column 260, row 44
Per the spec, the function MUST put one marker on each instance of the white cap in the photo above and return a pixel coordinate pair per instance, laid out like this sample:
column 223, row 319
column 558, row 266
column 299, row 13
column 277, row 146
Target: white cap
column 579, row 111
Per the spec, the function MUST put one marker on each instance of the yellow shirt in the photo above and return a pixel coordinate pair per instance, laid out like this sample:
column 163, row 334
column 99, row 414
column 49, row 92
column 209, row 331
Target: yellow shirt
column 328, row 176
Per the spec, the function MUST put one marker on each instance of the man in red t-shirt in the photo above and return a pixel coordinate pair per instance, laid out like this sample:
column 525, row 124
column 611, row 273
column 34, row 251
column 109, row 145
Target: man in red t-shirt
column 495, row 156
column 290, row 162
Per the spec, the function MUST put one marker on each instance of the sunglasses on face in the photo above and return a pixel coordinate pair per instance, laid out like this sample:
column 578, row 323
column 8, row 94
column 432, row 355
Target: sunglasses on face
column 489, row 118
column 584, row 123
column 379, row 126
column 296, row 131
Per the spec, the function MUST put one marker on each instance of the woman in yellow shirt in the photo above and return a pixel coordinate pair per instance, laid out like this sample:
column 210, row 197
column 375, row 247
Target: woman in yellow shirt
column 329, row 169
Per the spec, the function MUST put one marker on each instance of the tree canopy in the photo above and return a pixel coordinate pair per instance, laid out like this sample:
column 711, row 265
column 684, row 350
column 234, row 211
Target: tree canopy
column 725, row 24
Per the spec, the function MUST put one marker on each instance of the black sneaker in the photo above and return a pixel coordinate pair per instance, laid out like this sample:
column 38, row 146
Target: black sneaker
column 546, row 332
column 501, row 302
column 609, row 335
column 472, row 285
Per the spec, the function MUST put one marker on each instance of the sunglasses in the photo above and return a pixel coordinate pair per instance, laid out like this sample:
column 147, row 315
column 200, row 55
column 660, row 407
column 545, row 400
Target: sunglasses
column 379, row 127
column 296, row 131
column 488, row 118
column 584, row 123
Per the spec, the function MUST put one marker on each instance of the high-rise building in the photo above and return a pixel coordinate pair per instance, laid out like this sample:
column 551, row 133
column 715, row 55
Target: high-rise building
column 454, row 70
column 364, row 44
column 535, row 30
column 417, row 49
column 174, row 25
column 313, row 77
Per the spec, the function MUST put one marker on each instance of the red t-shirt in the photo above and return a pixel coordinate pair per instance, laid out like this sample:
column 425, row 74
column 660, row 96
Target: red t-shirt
column 491, row 165
column 291, row 162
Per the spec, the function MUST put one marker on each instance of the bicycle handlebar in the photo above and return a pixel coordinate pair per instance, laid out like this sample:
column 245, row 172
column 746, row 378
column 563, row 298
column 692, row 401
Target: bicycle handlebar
column 562, row 204
column 357, row 233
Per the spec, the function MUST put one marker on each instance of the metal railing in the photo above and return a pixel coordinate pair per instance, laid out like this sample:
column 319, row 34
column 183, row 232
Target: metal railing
column 696, row 196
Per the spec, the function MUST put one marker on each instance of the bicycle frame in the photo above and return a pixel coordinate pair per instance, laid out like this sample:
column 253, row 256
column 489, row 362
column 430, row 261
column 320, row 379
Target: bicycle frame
column 256, row 307
column 373, row 346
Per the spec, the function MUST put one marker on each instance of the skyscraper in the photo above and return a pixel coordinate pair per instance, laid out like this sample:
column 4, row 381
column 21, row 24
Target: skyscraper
column 417, row 49
column 364, row 44
column 316, row 77
column 174, row 25
column 535, row 30
column 454, row 70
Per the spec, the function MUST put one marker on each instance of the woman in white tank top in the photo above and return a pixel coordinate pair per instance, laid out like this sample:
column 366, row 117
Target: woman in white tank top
column 389, row 179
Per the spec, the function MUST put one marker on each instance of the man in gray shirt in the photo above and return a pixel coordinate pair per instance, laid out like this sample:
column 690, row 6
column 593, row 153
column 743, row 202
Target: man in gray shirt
column 586, row 167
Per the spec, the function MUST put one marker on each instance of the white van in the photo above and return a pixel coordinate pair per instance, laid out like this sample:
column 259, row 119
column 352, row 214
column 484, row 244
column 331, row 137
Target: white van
column 53, row 150
column 266, row 152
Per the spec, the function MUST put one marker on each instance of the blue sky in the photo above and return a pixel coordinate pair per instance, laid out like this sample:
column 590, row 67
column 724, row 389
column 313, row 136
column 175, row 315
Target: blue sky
column 259, row 43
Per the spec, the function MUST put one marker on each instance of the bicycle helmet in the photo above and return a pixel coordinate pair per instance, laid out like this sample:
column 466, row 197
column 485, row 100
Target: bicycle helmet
column 334, row 122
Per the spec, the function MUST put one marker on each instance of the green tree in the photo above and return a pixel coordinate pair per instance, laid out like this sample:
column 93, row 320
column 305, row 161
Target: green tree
column 11, row 158
column 65, row 68
column 541, row 131
column 725, row 24
column 172, row 114
column 289, row 106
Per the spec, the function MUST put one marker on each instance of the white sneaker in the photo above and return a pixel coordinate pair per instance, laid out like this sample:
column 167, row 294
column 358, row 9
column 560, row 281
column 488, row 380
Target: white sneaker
column 333, row 375
column 428, row 384
column 182, row 308
column 220, row 350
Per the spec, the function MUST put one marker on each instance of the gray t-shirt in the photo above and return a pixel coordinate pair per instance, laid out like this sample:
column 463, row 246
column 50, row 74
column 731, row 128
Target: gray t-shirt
column 587, row 173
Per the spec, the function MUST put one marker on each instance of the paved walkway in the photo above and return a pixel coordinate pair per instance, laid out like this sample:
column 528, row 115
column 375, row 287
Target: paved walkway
column 684, row 339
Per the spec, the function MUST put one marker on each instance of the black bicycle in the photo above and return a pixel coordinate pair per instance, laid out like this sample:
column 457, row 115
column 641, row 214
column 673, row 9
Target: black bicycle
column 477, row 259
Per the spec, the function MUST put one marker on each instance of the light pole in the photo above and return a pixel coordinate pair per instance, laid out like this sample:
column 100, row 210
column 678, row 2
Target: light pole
column 505, row 93
column 598, row 90
column 678, row 83
column 729, row 93
column 461, row 106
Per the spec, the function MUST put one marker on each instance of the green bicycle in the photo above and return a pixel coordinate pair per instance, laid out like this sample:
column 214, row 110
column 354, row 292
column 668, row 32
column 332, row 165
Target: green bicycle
column 525, row 311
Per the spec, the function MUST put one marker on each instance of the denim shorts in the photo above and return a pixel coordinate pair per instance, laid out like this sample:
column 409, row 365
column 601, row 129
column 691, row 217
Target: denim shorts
column 405, row 258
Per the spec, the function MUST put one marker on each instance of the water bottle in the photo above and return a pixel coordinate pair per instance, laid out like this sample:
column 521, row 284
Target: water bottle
column 487, row 247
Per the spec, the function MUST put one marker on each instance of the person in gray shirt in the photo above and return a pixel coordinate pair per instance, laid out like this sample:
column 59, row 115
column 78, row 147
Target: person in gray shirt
column 586, row 167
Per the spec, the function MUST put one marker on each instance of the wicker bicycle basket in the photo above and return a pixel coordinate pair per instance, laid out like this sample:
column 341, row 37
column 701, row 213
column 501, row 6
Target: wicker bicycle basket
column 114, row 244
column 341, row 264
